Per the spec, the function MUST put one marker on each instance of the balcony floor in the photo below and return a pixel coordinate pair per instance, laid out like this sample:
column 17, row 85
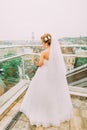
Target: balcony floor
column 15, row 120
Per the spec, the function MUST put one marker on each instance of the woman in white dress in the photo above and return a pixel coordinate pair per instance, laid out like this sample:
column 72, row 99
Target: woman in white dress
column 47, row 101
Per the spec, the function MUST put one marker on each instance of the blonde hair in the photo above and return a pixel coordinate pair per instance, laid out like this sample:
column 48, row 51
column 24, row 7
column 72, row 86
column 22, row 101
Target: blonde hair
column 46, row 38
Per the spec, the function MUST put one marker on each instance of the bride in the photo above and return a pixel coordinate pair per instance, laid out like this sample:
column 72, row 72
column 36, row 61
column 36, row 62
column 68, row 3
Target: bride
column 47, row 101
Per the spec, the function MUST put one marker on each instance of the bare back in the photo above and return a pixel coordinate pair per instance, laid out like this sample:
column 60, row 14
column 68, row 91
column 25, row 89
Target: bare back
column 44, row 56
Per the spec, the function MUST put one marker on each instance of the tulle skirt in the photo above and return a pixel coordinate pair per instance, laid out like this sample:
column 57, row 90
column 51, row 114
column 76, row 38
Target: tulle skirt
column 46, row 102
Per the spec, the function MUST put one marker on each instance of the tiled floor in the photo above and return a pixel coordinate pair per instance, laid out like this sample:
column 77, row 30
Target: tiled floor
column 23, row 123
column 9, row 116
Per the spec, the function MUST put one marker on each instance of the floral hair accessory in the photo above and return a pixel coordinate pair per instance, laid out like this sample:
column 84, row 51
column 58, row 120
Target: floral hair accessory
column 45, row 38
column 49, row 37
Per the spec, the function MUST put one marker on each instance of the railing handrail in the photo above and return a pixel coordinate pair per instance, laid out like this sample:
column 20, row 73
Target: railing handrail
column 11, row 46
column 35, row 45
column 22, row 54
column 73, row 45
column 75, row 55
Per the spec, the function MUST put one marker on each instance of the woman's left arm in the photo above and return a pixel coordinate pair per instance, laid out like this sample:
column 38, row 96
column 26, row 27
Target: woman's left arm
column 41, row 61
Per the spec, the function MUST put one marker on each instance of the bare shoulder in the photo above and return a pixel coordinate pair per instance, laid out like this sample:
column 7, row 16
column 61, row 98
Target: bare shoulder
column 43, row 52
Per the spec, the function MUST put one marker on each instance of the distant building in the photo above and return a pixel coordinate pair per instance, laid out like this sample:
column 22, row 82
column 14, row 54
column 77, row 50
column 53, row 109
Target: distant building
column 33, row 37
column 69, row 60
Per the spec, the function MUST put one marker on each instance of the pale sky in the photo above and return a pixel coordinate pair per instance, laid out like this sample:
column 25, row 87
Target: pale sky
column 62, row 18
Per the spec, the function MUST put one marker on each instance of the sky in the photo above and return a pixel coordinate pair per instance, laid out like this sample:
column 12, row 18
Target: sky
column 60, row 18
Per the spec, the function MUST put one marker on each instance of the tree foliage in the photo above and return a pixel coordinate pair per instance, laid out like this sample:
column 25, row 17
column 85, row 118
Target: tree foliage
column 10, row 67
column 80, row 61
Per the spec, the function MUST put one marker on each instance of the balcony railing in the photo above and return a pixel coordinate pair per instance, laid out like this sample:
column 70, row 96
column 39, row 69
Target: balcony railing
column 23, row 79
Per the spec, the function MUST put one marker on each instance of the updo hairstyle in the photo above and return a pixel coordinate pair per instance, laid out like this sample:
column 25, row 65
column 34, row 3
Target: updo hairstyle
column 46, row 38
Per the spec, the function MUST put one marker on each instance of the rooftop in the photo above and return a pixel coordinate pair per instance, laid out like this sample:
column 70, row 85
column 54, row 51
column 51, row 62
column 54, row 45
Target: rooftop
column 12, row 119
column 15, row 120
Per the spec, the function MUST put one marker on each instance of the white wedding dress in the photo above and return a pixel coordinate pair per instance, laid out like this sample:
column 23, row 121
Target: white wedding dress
column 47, row 102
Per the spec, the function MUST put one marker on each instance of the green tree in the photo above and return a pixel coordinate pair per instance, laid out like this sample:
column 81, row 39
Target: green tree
column 10, row 68
column 80, row 61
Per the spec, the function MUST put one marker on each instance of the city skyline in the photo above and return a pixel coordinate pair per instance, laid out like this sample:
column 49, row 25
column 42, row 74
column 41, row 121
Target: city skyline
column 61, row 18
